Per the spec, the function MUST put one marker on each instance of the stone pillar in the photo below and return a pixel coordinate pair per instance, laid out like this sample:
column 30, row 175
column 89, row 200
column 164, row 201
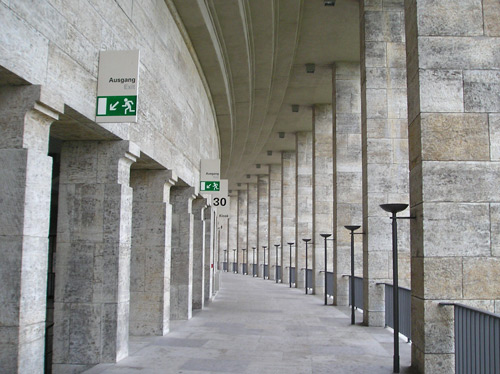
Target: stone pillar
column 323, row 191
column 25, row 214
column 181, row 284
column 263, row 201
column 253, row 219
column 210, row 245
column 305, row 207
column 385, row 147
column 233, row 226
column 347, row 175
column 242, row 222
column 151, row 251
column 274, row 212
column 92, row 288
column 454, row 116
column 288, row 212
column 199, row 242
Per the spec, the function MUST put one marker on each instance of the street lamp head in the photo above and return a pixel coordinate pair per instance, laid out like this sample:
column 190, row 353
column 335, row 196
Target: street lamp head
column 277, row 245
column 290, row 243
column 394, row 208
column 254, row 247
column 325, row 235
column 352, row 228
column 264, row 246
column 306, row 240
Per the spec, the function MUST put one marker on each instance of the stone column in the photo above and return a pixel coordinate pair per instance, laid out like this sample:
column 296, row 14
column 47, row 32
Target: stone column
column 25, row 214
column 199, row 242
column 274, row 212
column 92, row 287
column 323, row 191
column 385, row 147
column 242, row 223
column 347, row 175
column 288, row 203
column 151, row 251
column 305, row 207
column 233, row 226
column 454, row 115
column 210, row 242
column 253, row 219
column 263, row 201
column 181, row 285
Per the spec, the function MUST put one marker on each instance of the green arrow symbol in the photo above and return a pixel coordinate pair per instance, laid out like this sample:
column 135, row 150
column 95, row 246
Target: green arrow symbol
column 113, row 106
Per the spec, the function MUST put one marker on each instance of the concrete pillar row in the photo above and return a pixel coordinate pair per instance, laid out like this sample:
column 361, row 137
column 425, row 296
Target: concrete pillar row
column 347, row 175
column 243, row 219
column 92, row 284
column 25, row 119
column 263, row 220
column 199, row 242
column 233, row 230
column 454, row 127
column 209, row 229
column 305, row 204
column 385, row 148
column 181, row 285
column 151, row 252
column 288, row 211
column 253, row 215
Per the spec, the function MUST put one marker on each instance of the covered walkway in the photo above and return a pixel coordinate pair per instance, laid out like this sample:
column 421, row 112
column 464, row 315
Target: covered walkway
column 260, row 327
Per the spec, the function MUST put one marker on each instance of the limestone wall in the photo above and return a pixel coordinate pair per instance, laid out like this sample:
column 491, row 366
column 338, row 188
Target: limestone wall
column 56, row 44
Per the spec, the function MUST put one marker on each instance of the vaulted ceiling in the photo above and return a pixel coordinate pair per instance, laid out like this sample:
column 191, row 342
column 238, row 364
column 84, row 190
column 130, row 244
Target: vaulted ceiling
column 253, row 55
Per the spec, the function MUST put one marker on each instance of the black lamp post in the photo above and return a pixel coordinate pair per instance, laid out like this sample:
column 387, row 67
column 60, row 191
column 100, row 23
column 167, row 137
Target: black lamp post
column 307, row 241
column 245, row 264
column 325, row 236
column 394, row 209
column 277, row 246
column 290, row 268
column 264, row 267
column 353, row 292
column 253, row 263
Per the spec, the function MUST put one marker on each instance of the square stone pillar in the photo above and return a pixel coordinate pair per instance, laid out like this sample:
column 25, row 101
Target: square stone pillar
column 253, row 225
column 92, row 284
column 211, row 244
column 199, row 242
column 454, row 114
column 305, row 206
column 263, row 201
column 323, row 191
column 243, row 202
column 232, row 232
column 151, row 251
column 347, row 175
column 288, row 211
column 274, row 212
column 181, row 284
column 24, row 214
column 385, row 147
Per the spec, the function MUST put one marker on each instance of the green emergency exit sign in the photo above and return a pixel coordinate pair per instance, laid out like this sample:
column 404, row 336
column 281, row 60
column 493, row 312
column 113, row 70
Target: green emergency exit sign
column 116, row 106
column 206, row 186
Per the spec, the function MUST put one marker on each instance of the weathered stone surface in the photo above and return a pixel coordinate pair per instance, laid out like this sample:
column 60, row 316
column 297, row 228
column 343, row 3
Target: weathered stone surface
column 464, row 18
column 441, row 91
column 491, row 11
column 482, row 90
column 479, row 276
column 494, row 127
column 455, row 137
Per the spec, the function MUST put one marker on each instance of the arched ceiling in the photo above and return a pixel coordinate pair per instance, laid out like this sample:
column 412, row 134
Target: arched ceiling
column 253, row 55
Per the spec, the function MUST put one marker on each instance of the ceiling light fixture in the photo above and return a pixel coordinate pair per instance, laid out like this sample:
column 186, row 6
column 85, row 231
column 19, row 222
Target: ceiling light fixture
column 295, row 108
column 310, row 68
column 281, row 135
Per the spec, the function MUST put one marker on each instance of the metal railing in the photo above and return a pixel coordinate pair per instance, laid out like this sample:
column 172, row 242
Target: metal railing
column 309, row 273
column 292, row 274
column 235, row 267
column 266, row 271
column 329, row 283
column 244, row 268
column 404, row 309
column 278, row 272
column 254, row 267
column 358, row 292
column 477, row 341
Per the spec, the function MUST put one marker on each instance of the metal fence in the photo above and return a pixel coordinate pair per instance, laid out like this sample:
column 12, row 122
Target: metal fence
column 404, row 309
column 235, row 267
column 358, row 292
column 254, row 270
column 266, row 271
column 244, row 268
column 278, row 272
column 292, row 274
column 309, row 273
column 329, row 283
column 477, row 341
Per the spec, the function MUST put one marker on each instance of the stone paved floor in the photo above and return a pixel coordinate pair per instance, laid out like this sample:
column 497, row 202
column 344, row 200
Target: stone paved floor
column 260, row 327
